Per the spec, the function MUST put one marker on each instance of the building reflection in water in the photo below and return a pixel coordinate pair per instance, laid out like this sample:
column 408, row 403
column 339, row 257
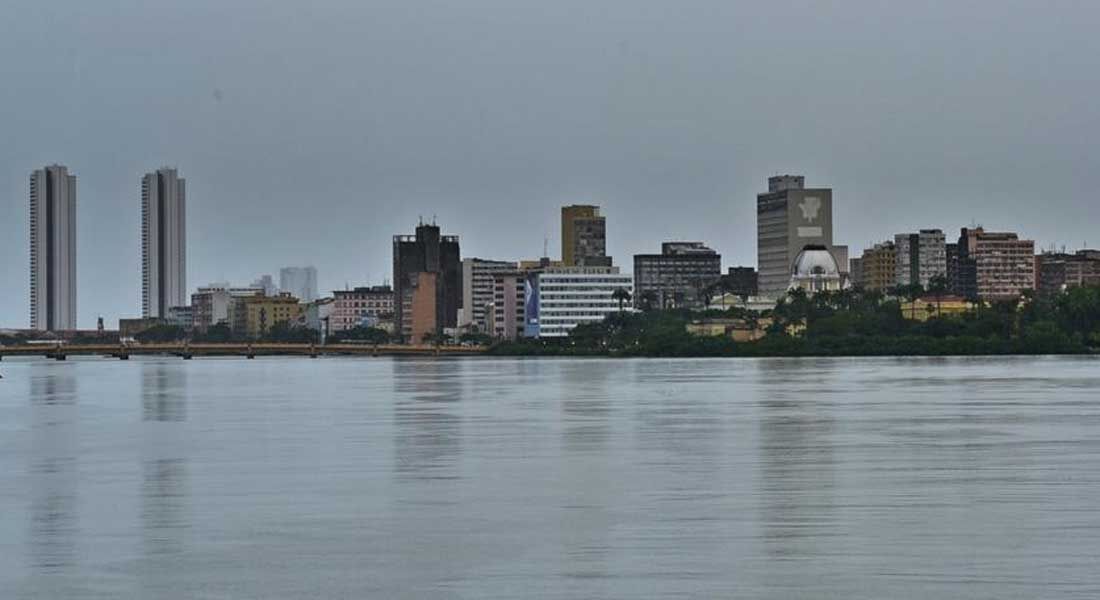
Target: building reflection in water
column 585, row 405
column 797, row 467
column 53, row 467
column 428, row 427
column 165, row 488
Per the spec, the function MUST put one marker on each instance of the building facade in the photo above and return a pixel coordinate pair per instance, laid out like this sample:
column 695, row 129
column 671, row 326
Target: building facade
column 679, row 277
column 477, row 291
column 1058, row 271
column 426, row 252
column 879, row 268
column 815, row 270
column 361, row 307
column 742, row 281
column 300, row 282
column 1000, row 264
column 507, row 309
column 788, row 218
column 53, row 249
column 254, row 316
column 921, row 257
column 558, row 300
column 211, row 305
column 163, row 242
column 583, row 236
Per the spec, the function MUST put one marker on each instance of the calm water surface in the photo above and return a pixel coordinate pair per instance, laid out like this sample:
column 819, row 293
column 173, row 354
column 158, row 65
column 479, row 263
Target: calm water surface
column 482, row 478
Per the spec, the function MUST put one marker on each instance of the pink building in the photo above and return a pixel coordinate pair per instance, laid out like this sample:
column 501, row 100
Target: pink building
column 368, row 306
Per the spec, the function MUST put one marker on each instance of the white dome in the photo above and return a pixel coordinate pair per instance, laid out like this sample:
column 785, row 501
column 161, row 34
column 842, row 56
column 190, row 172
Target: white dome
column 815, row 261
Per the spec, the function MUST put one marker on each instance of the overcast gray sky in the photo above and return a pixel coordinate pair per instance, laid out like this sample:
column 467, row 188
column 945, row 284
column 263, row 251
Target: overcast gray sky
column 310, row 132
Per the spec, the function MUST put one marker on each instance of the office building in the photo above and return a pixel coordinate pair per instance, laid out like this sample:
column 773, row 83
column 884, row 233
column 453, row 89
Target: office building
column 362, row 307
column 426, row 304
column 1058, row 271
column 559, row 299
column 300, row 282
column 53, row 249
column 679, row 277
column 180, row 316
column 921, row 257
column 879, row 268
column 855, row 271
column 1000, row 265
column 477, row 291
column 211, row 305
column 163, row 242
column 318, row 315
column 583, row 236
column 789, row 217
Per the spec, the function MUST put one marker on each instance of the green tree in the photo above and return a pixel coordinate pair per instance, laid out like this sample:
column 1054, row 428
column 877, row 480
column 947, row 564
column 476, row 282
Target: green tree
column 622, row 296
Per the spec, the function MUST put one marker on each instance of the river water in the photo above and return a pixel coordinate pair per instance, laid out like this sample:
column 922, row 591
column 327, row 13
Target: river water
column 550, row 478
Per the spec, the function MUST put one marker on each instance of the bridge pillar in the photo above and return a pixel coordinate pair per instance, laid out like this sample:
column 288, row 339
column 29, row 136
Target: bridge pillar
column 59, row 356
column 251, row 354
column 186, row 356
column 123, row 356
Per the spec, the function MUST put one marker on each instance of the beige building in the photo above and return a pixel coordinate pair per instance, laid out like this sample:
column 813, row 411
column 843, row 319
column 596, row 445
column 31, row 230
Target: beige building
column 1003, row 265
column 789, row 217
column 583, row 237
column 879, row 267
column 254, row 316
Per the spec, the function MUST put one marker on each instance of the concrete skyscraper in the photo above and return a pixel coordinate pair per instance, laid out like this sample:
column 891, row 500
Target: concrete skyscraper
column 53, row 249
column 790, row 217
column 427, row 282
column 300, row 282
column 163, row 242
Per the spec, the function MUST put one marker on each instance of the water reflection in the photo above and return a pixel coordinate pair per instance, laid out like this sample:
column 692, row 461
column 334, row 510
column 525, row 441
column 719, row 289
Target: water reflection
column 164, row 495
column 428, row 435
column 53, row 467
column 797, row 478
column 163, row 392
column 585, row 405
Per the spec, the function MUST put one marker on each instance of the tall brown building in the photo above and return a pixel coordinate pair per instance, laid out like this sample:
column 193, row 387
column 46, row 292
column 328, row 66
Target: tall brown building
column 583, row 236
column 432, row 253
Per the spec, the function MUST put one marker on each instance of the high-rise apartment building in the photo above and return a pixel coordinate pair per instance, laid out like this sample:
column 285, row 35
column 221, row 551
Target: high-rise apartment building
column 506, row 313
column 583, row 236
column 300, row 282
column 163, row 242
column 267, row 284
column 1000, row 264
column 789, row 217
column 920, row 257
column 477, row 291
column 879, row 266
column 213, row 304
column 678, row 277
column 427, row 282
column 559, row 299
column 53, row 249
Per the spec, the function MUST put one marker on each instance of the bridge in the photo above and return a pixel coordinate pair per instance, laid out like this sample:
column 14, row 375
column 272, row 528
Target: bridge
column 187, row 350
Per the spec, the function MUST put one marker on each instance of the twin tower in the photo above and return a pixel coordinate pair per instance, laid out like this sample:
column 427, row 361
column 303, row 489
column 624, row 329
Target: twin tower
column 53, row 246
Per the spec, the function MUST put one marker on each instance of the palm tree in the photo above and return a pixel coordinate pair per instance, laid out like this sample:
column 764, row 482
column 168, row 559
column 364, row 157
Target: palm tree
column 938, row 287
column 622, row 296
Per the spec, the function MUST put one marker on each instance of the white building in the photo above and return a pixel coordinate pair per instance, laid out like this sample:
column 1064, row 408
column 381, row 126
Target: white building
column 300, row 282
column 477, row 290
column 815, row 269
column 558, row 299
column 163, row 243
column 53, row 249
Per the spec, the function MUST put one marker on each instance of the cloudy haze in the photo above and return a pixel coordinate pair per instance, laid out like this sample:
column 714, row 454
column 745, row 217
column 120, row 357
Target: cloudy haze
column 309, row 133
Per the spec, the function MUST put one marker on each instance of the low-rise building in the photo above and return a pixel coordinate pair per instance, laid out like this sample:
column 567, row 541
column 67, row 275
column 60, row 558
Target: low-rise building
column 181, row 316
column 815, row 270
column 927, row 307
column 211, row 305
column 254, row 316
column 559, row 299
column 507, row 308
column 361, row 307
column 739, row 330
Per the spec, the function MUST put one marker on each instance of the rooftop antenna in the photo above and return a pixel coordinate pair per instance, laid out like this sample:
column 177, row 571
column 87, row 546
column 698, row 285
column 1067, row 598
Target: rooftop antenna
column 545, row 246
column 433, row 220
column 420, row 219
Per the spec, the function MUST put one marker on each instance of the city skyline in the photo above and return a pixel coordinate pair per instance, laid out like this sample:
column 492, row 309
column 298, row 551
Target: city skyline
column 669, row 121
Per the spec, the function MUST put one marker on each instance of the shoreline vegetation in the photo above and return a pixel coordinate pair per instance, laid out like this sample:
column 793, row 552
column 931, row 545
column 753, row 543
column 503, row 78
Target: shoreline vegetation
column 842, row 323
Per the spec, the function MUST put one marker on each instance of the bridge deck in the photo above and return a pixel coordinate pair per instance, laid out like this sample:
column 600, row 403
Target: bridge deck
column 187, row 350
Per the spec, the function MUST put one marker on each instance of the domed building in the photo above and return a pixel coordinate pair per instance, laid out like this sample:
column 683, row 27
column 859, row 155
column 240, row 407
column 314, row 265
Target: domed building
column 815, row 270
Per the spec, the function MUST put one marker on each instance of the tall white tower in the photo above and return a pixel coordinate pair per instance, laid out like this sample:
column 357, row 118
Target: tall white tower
column 53, row 249
column 163, row 242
